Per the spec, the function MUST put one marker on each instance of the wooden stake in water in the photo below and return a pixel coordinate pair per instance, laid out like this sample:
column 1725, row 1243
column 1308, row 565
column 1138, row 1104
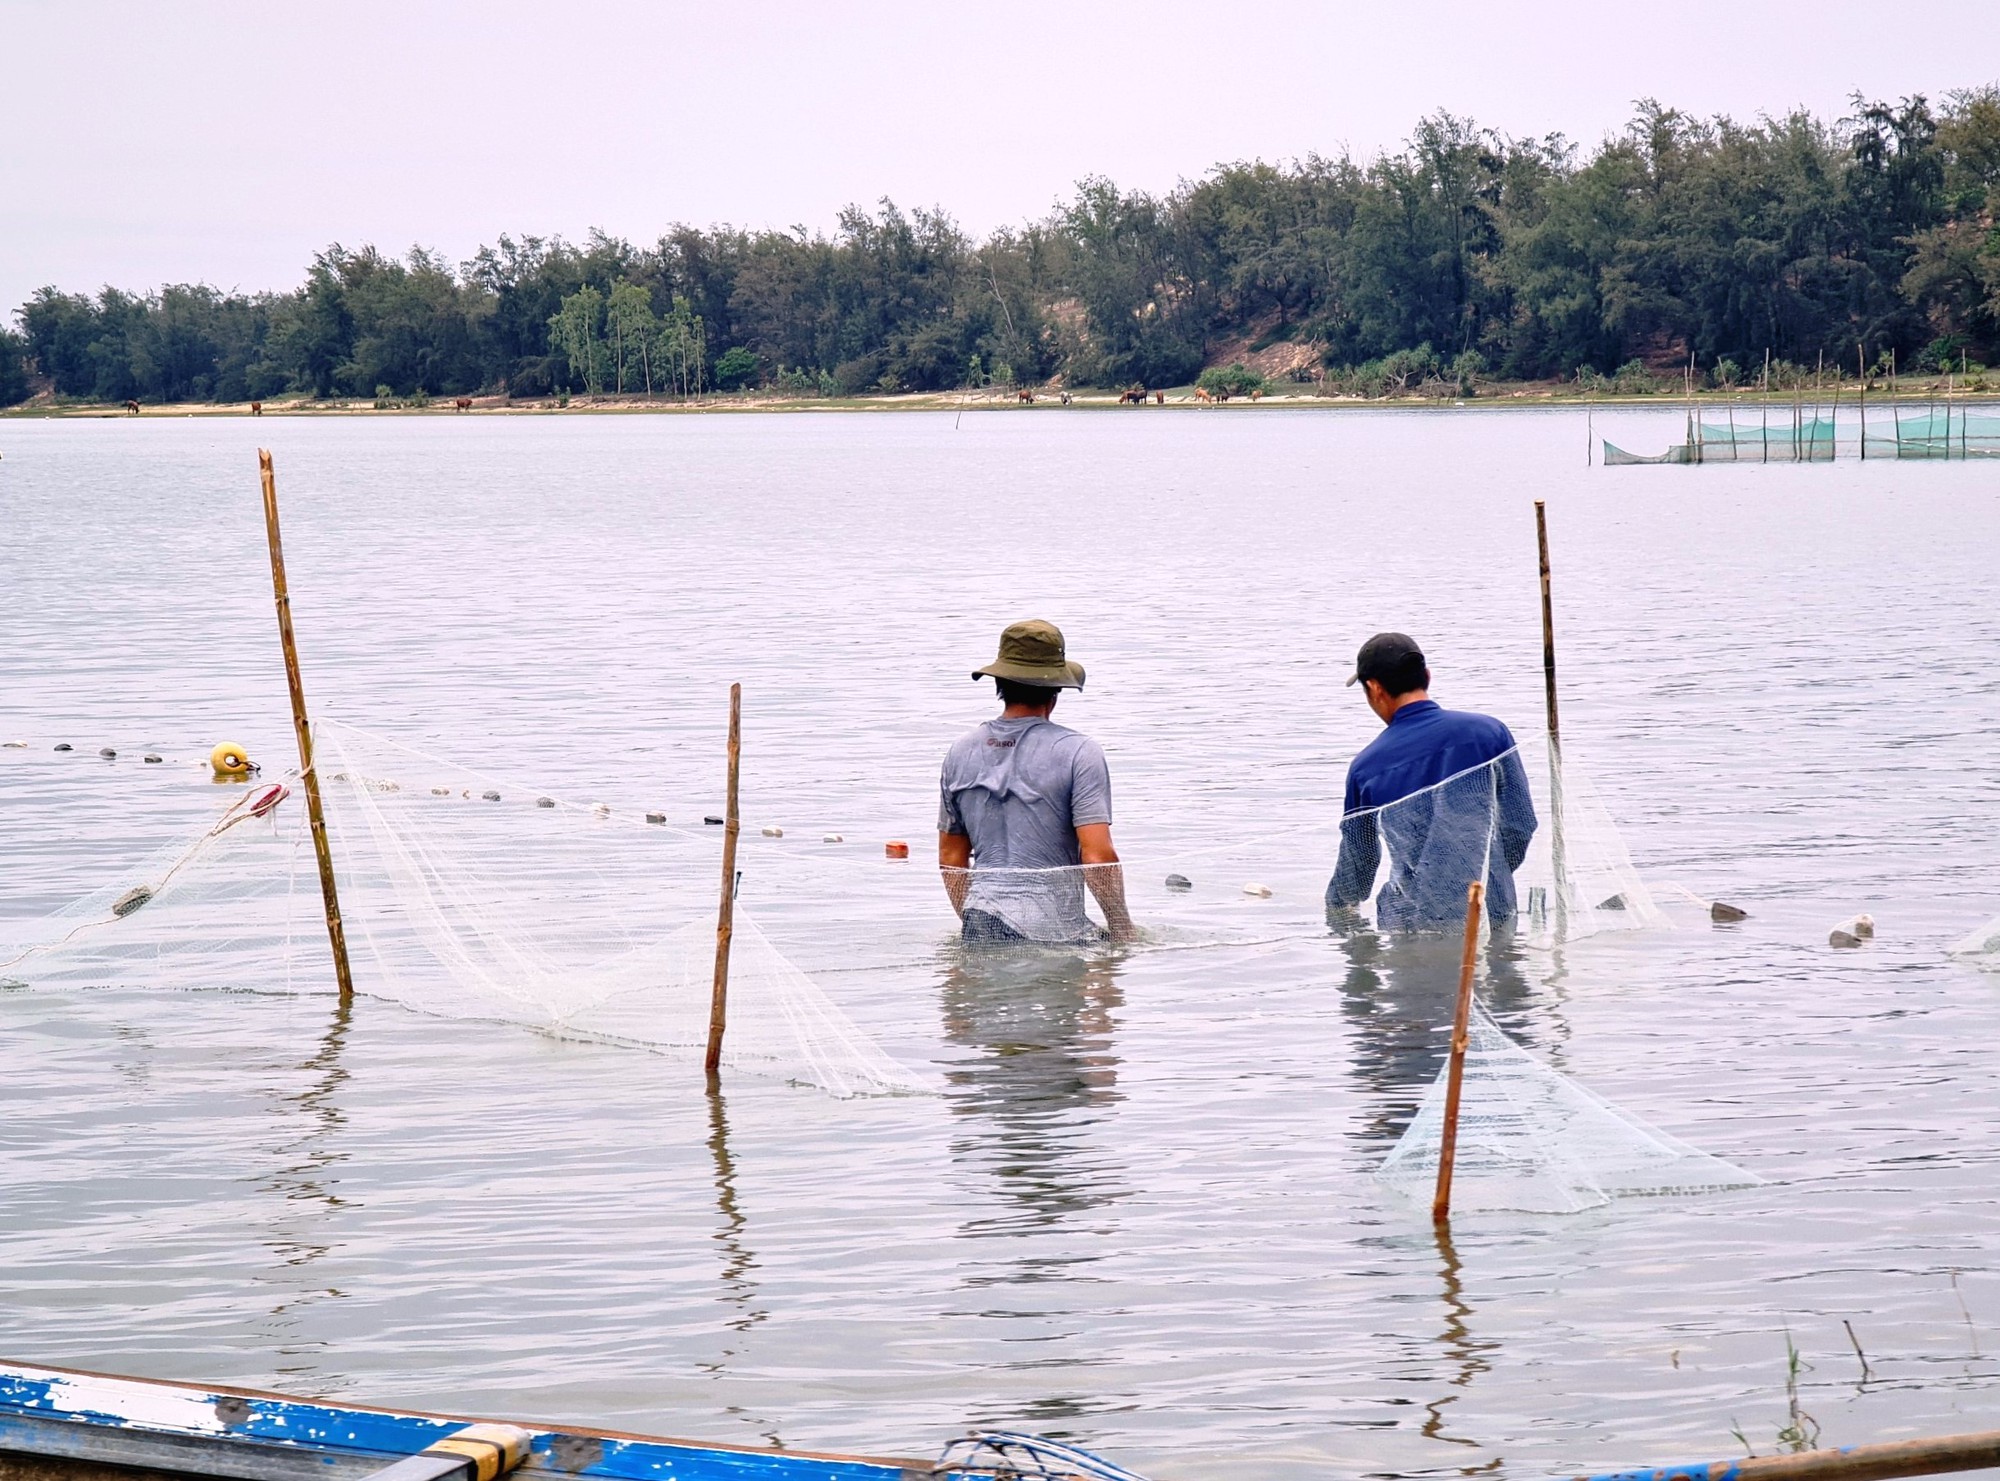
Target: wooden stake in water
column 1461, row 1024
column 725, row 920
column 1767, row 406
column 315, row 818
column 1861, row 373
column 1556, row 855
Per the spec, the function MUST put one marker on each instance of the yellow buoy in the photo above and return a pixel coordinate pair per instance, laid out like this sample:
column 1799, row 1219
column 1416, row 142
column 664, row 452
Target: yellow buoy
column 230, row 759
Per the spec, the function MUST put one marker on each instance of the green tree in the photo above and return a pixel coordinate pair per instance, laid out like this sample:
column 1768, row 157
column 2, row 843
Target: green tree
column 575, row 333
column 15, row 387
column 630, row 328
column 735, row 368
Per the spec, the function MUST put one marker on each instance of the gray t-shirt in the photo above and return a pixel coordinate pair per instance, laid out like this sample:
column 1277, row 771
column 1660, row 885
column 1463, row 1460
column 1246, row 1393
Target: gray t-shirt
column 1019, row 789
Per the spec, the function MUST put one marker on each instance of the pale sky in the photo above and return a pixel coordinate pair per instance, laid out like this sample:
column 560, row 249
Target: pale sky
column 147, row 143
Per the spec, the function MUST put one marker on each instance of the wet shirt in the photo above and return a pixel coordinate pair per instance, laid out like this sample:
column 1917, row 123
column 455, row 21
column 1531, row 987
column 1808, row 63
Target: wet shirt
column 1019, row 789
column 1445, row 789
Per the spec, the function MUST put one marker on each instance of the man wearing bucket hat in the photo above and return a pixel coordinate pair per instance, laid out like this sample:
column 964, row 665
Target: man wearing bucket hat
column 1464, row 794
column 1024, row 819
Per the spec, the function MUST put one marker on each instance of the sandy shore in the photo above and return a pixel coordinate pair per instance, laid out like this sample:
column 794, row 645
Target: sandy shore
column 1532, row 395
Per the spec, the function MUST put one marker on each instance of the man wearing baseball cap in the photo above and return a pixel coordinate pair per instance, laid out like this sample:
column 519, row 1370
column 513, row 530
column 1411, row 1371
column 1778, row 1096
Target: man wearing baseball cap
column 1024, row 819
column 1477, row 806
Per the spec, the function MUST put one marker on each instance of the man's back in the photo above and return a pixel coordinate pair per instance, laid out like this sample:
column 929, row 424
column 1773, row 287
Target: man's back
column 1019, row 788
column 1439, row 836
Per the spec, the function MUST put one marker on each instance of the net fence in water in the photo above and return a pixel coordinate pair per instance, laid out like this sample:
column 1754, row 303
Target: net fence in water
column 1980, row 946
column 466, row 896
column 1528, row 825
column 465, row 899
column 1793, row 434
column 1534, row 1141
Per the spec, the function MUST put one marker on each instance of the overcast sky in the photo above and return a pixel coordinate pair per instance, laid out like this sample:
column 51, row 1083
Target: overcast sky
column 150, row 143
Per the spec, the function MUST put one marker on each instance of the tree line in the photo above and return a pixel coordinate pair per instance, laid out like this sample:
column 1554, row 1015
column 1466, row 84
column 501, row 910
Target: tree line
column 1463, row 255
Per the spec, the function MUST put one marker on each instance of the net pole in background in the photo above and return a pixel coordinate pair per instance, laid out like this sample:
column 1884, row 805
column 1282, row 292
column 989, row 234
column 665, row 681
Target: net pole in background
column 725, row 919
column 1461, row 1024
column 1556, row 859
column 1861, row 380
column 315, row 817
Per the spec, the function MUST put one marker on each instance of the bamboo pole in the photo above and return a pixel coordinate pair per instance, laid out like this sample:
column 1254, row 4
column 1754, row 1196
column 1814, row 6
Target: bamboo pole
column 1969, row 1452
column 1895, row 407
column 1861, row 382
column 1475, row 903
column 1767, row 406
column 725, row 919
column 1818, row 375
column 1556, row 855
column 315, row 817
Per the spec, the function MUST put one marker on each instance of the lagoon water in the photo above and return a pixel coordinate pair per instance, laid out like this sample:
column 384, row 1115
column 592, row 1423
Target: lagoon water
column 1139, row 1213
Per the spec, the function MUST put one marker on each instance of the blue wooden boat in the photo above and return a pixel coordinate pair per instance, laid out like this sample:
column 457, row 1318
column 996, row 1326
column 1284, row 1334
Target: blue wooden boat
column 67, row 1425
column 61, row 1424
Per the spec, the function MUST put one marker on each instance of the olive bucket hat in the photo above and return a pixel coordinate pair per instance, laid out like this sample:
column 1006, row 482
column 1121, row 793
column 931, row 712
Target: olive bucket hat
column 1032, row 653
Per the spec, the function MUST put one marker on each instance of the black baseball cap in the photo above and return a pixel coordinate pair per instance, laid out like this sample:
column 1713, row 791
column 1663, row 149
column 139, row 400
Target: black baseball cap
column 1384, row 653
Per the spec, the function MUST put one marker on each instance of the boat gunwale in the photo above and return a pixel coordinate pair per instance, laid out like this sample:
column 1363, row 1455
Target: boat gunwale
column 540, row 1430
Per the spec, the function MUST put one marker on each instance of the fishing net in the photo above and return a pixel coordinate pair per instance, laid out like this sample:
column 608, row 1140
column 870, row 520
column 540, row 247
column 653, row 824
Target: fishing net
column 1795, row 434
column 1534, row 1141
column 1529, row 826
column 465, row 898
column 1934, row 432
column 1981, row 946
column 215, row 907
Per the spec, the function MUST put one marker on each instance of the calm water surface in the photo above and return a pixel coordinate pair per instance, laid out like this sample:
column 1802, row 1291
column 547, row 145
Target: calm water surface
column 1140, row 1213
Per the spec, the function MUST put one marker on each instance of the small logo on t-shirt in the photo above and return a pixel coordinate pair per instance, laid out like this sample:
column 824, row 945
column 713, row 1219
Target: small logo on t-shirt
column 993, row 741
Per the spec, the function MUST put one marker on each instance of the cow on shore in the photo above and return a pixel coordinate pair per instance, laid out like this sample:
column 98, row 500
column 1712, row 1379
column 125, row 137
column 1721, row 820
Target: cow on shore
column 133, row 407
column 464, row 403
column 1132, row 396
column 256, row 408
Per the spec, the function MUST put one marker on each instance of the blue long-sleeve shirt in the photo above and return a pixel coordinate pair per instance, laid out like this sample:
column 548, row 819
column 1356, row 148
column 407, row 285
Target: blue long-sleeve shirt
column 1440, row 837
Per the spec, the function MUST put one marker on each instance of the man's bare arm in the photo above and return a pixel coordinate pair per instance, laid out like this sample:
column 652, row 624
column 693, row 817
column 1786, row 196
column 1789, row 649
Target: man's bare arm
column 954, row 860
column 1106, row 879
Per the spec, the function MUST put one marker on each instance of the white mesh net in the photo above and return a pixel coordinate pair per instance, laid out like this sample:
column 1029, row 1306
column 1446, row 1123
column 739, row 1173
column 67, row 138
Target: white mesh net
column 1530, row 827
column 1981, row 946
column 463, row 898
column 214, row 908
column 1532, row 1140
column 466, row 896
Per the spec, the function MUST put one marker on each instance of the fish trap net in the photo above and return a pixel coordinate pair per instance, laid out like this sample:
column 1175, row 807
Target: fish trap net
column 1532, row 1140
column 1980, row 946
column 469, row 896
column 464, row 898
column 1527, row 824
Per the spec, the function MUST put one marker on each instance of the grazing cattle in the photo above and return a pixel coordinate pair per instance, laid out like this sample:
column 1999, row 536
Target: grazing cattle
column 1132, row 395
column 464, row 403
column 1258, row 394
column 1201, row 395
column 1025, row 396
column 256, row 408
column 1159, row 398
column 1065, row 397
column 133, row 407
